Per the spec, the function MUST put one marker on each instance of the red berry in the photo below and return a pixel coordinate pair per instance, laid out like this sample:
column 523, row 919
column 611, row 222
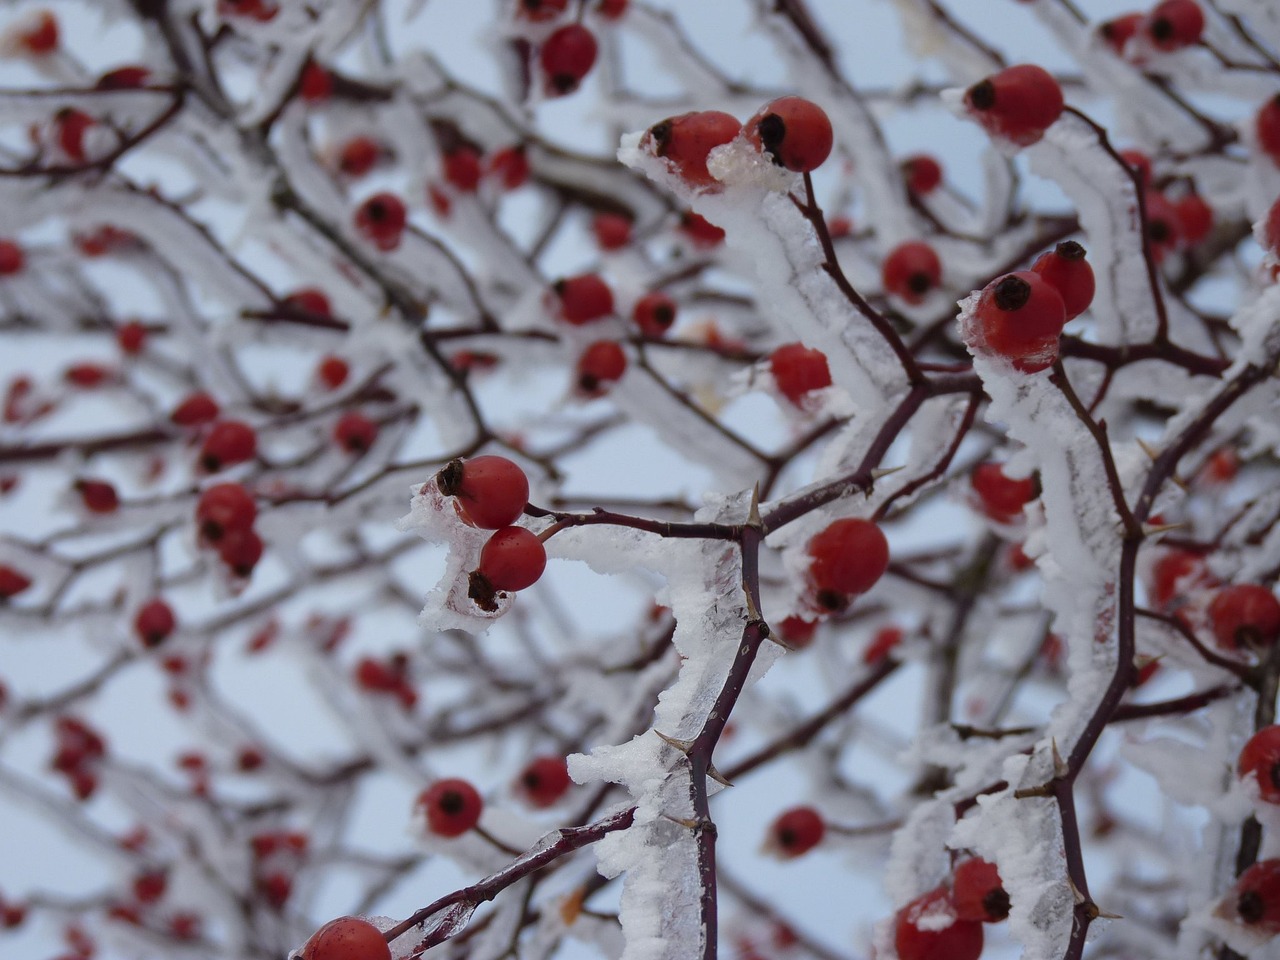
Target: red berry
column 86, row 375
column 978, row 893
column 911, row 271
column 612, row 9
column 845, row 559
column 1139, row 163
column 602, row 364
column 358, row 156
column 919, row 934
column 452, row 807
column 612, row 230
column 540, row 9
column 70, row 126
column 511, row 166
column 316, row 83
column 276, row 888
column 882, row 644
column 1019, row 103
column 381, row 220
column 1173, row 574
column 332, row 372
column 310, row 300
column 1195, row 218
column 654, row 313
column 1001, row 498
column 1271, row 229
column 131, row 337
column 797, row 631
column 796, row 133
column 684, row 142
column 1244, row 616
column 566, row 57
column 249, row 759
column 1021, row 317
column 150, row 886
column 12, row 582
column 1255, row 898
column 798, row 371
column 224, row 508
column 1067, row 270
column 1260, row 759
column 491, row 491
column 40, row 37
column 513, row 559
column 1162, row 225
column 1116, row 33
column 583, row 299
column 462, row 169
column 1267, row 127
column 544, row 781
column 347, row 938
column 98, row 496
column 124, row 78
column 700, row 230
column 229, row 442
column 11, row 258
column 240, row 550
column 194, row 410
column 923, row 174
column 354, row 432
column 1174, row 24
column 796, row 831
column 1221, row 467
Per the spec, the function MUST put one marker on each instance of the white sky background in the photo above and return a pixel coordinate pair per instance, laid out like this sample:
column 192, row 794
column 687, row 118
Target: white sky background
column 867, row 35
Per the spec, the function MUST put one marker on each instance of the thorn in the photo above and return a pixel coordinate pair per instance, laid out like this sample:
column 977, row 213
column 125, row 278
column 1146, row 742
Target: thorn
column 777, row 638
column 1179, row 482
column 1060, row 768
column 690, row 824
column 684, row 746
column 879, row 472
column 753, row 515
column 1149, row 450
column 1108, row 915
column 717, row 776
column 1155, row 529
column 1076, row 895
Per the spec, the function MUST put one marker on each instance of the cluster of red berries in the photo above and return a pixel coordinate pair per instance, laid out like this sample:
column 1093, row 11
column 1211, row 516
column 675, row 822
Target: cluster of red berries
column 974, row 896
column 1171, row 223
column 277, row 857
column 389, row 677
column 1170, row 25
column 78, row 754
column 225, row 514
column 1020, row 316
column 587, row 299
column 491, row 493
column 846, row 559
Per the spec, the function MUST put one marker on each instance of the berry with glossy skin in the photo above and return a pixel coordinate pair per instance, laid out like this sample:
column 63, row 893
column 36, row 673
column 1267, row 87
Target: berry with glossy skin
column 911, row 271
column 1000, row 497
column 358, row 156
column 922, row 173
column 566, row 57
column 452, row 807
column 1255, row 898
column 12, row 582
column 1021, row 316
column 98, row 496
column 224, row 508
column 1244, row 616
column 354, row 432
column 1117, row 32
column 491, row 492
column 685, row 140
column 798, row 370
column 1267, row 127
column 346, row 938
column 194, row 410
column 513, row 559
column 794, row 132
column 1066, row 268
column 381, row 220
column 1019, row 103
column 1195, row 218
column 240, row 550
column 583, row 299
column 796, row 832
column 601, row 365
column 1260, row 759
column 544, row 781
column 12, row 259
column 978, row 893
column 1175, row 24
column 846, row 559
column 654, row 313
column 612, row 230
column 917, row 935
column 229, row 442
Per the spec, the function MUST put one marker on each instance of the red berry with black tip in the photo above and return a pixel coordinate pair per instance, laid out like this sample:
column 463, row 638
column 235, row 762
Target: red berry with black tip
column 224, row 508
column 491, row 492
column 1020, row 317
column 229, row 442
column 583, row 299
column 1162, row 225
column 1255, row 898
column 978, row 893
column 240, row 550
column 794, row 132
column 1019, row 103
column 346, row 938
column 1066, row 268
column 354, row 432
column 601, row 365
column 1116, row 33
column 381, row 220
column 1244, row 616
column 452, row 807
column 685, row 140
column 654, row 313
column 1175, row 24
column 798, row 371
column 566, row 57
column 911, row 271
column 846, row 559
column 544, row 781
column 921, row 930
column 796, row 831
column 1260, row 759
